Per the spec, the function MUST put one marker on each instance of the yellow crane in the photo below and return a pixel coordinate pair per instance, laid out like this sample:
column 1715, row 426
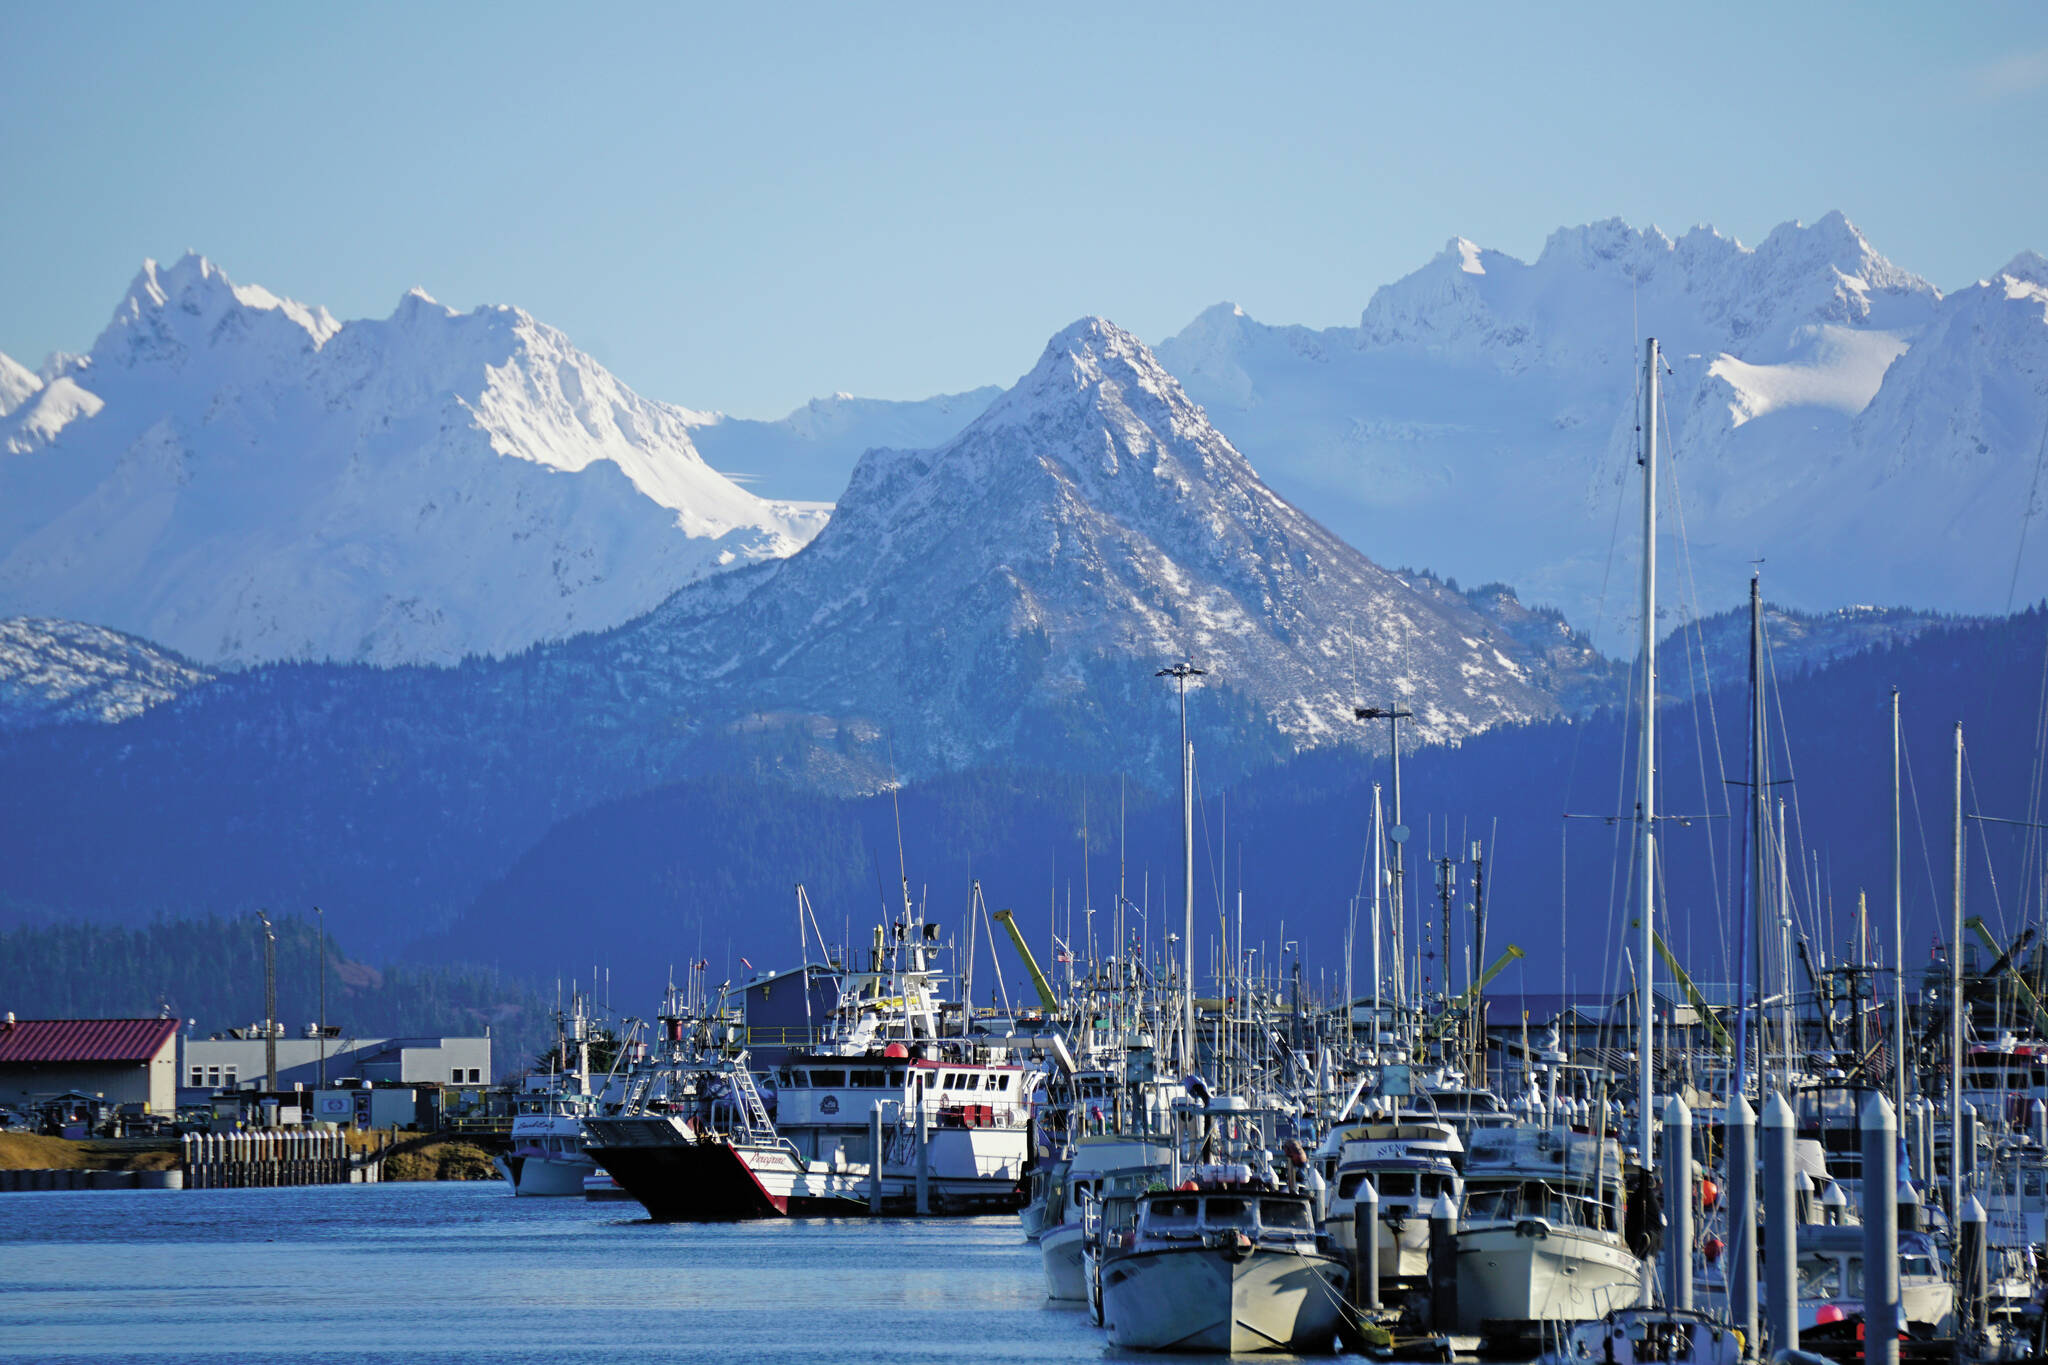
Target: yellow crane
column 1471, row 992
column 1046, row 996
column 2004, row 959
column 1692, row 994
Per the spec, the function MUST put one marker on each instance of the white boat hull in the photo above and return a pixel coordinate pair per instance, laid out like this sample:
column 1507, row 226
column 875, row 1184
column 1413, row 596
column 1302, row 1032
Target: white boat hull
column 1216, row 1300
column 1539, row 1272
column 1060, row 1249
column 535, row 1175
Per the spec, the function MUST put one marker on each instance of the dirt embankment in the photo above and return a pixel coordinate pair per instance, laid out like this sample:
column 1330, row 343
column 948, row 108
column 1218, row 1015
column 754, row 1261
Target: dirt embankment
column 31, row 1152
column 431, row 1160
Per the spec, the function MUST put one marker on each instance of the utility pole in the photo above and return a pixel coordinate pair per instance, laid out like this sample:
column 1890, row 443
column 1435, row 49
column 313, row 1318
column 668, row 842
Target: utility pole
column 1180, row 673
column 320, row 916
column 269, row 1004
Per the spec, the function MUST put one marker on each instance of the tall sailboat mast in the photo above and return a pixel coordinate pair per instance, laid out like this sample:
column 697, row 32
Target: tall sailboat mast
column 1180, row 673
column 1898, row 933
column 1759, row 832
column 1646, row 837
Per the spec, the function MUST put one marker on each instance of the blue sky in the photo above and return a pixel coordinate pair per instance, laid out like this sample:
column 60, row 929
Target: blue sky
column 746, row 206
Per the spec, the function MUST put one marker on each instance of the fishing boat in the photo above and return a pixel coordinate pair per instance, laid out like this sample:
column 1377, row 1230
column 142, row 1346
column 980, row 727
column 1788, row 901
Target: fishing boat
column 547, row 1156
column 1102, row 1166
column 1225, row 1267
column 1409, row 1163
column 1541, row 1237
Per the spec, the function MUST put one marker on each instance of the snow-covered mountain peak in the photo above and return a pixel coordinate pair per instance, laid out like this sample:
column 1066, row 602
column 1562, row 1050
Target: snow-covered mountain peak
column 1079, row 361
column 241, row 478
column 2029, row 267
column 1025, row 577
column 191, row 307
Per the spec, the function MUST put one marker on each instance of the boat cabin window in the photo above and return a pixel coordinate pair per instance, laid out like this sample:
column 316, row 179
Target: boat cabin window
column 1172, row 1215
column 2030, row 1182
column 1347, row 1185
column 831, row 1079
column 1917, row 1265
column 1285, row 1215
column 999, row 1082
column 1395, row 1184
column 871, row 1080
column 896, row 1074
column 1820, row 1277
column 1227, row 1212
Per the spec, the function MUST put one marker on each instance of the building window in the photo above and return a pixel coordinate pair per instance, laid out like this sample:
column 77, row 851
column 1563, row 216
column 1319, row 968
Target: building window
column 198, row 1077
column 213, row 1077
column 230, row 1081
column 455, row 1075
column 476, row 1073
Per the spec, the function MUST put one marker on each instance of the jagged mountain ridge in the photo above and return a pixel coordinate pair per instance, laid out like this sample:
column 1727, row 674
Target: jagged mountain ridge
column 242, row 478
column 1481, row 417
column 1005, row 598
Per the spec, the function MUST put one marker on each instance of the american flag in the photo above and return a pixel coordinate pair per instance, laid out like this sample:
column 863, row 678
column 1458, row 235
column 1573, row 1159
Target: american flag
column 1063, row 957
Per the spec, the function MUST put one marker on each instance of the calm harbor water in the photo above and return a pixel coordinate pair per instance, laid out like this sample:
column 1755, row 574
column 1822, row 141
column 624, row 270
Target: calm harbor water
column 465, row 1272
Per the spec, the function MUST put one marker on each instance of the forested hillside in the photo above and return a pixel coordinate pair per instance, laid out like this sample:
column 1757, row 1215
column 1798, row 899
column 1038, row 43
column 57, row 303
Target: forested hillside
column 210, row 971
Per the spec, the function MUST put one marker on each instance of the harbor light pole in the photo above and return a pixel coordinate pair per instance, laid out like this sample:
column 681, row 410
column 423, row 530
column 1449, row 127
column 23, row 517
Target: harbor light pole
column 269, row 1004
column 320, row 916
column 1180, row 673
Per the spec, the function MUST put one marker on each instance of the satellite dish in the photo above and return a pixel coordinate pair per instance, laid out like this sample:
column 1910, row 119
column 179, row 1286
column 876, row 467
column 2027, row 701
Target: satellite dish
column 1399, row 834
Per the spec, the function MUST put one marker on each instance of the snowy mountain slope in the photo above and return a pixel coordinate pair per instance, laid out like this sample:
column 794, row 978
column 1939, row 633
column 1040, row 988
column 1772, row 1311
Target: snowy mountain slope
column 242, row 478
column 1480, row 419
column 61, row 671
column 18, row 384
column 1012, row 591
column 809, row 454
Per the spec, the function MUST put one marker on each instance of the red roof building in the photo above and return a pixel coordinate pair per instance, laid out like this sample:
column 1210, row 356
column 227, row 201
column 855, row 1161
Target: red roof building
column 124, row 1061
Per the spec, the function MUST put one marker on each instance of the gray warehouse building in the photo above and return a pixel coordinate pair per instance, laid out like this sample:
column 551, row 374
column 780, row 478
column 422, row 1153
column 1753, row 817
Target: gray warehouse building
column 236, row 1063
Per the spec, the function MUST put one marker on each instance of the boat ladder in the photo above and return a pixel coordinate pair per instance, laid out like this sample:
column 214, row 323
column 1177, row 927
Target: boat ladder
column 754, row 1118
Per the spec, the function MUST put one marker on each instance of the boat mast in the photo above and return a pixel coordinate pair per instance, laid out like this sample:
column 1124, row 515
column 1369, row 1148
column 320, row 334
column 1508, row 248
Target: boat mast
column 1759, row 829
column 1898, row 935
column 1180, row 673
column 1955, row 1004
column 1646, row 1117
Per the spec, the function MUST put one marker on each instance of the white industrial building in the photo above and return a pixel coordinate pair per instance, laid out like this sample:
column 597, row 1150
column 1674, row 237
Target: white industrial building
column 236, row 1061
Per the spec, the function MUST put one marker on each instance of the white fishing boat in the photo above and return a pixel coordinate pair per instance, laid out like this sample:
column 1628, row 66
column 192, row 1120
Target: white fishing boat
column 1102, row 1166
column 547, row 1156
column 1410, row 1163
column 1222, row 1269
column 1540, row 1239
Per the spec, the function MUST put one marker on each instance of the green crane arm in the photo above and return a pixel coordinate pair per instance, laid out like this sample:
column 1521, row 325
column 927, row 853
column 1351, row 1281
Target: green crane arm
column 2019, row 980
column 1471, row 993
column 1046, row 994
column 1692, row 993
